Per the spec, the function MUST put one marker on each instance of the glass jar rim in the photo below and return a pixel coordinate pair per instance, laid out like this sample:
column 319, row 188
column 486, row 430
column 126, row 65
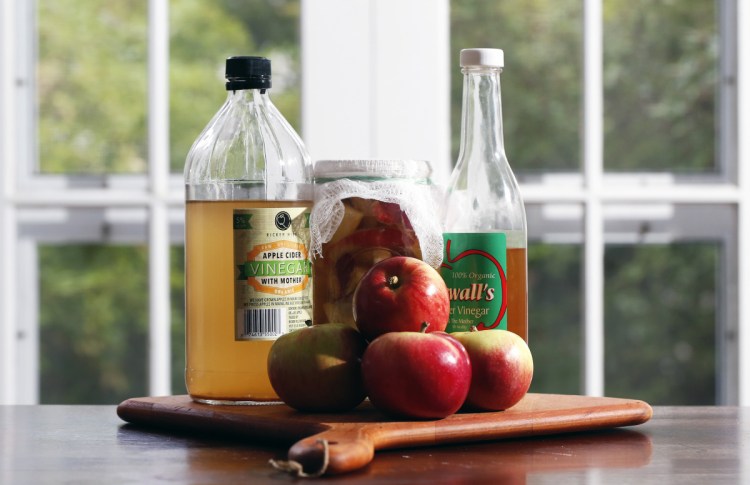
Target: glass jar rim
column 373, row 169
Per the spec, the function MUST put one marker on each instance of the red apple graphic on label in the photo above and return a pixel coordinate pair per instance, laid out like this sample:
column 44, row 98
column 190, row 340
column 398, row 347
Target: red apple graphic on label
column 500, row 271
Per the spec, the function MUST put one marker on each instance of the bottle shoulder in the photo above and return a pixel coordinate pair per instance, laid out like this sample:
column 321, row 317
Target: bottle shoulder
column 487, row 198
column 248, row 140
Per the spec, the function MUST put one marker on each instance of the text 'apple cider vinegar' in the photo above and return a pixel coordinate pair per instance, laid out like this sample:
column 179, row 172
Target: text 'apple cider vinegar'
column 248, row 182
column 485, row 262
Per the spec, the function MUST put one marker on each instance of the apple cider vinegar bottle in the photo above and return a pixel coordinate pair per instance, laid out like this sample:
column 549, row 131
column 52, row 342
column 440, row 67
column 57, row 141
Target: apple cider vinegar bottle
column 248, row 181
column 485, row 262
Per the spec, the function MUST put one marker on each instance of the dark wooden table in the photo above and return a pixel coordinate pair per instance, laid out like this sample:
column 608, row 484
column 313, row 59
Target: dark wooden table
column 90, row 444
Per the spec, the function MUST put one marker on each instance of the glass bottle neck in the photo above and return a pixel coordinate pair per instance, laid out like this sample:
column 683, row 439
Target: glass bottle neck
column 482, row 115
column 248, row 95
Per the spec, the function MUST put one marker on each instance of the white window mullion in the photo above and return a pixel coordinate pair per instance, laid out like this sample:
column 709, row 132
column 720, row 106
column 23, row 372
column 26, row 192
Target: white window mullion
column 391, row 97
column 593, row 261
column 158, row 157
column 28, row 321
column 411, row 94
column 743, row 168
column 728, row 353
column 8, row 343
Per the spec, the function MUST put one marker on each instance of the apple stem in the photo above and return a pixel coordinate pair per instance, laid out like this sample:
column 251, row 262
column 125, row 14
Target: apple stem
column 474, row 328
column 393, row 282
column 308, row 323
column 424, row 327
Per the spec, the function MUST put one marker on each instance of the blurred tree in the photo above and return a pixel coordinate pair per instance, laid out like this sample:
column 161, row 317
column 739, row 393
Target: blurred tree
column 92, row 81
column 93, row 323
column 660, row 314
column 91, row 86
column 660, row 84
column 541, row 91
column 555, row 337
column 202, row 36
column 228, row 28
column 177, row 301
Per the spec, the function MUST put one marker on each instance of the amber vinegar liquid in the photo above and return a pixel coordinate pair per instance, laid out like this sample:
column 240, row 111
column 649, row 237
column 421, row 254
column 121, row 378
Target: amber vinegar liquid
column 518, row 318
column 220, row 368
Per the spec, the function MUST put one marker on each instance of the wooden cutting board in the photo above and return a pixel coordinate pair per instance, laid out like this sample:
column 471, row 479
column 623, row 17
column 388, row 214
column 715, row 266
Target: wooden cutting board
column 338, row 443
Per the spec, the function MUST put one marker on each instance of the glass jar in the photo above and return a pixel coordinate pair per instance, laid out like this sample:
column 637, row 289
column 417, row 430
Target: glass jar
column 366, row 211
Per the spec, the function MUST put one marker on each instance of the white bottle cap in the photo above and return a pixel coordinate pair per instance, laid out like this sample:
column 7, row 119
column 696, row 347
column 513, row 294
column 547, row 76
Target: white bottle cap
column 482, row 57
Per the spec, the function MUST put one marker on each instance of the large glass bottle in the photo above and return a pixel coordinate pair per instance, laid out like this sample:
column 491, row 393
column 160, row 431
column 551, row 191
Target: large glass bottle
column 248, row 181
column 485, row 261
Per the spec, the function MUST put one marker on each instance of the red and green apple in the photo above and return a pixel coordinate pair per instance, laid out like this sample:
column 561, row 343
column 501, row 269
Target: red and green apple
column 399, row 294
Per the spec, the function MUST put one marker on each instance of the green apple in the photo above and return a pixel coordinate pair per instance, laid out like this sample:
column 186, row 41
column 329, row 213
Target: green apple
column 317, row 368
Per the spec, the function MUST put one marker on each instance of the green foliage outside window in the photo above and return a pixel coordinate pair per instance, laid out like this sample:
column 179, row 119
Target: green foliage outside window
column 92, row 81
column 93, row 329
column 660, row 85
column 541, row 81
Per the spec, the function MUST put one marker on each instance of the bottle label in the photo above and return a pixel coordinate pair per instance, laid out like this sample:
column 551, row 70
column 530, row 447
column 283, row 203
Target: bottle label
column 273, row 291
column 474, row 269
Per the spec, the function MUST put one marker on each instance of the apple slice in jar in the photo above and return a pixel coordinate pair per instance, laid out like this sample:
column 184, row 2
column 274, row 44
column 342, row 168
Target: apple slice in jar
column 349, row 223
column 390, row 214
column 349, row 269
column 340, row 311
column 352, row 268
column 378, row 213
column 357, row 253
column 345, row 261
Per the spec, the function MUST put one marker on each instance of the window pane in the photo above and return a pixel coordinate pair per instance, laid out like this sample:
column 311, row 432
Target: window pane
column 660, row 85
column 541, row 80
column 91, row 86
column 555, row 317
column 93, row 323
column 177, row 285
column 660, row 314
column 227, row 28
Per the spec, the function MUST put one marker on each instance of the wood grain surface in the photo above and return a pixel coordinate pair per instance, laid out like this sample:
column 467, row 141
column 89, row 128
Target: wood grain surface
column 338, row 443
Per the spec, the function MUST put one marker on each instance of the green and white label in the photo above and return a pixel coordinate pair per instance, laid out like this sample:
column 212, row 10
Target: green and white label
column 474, row 269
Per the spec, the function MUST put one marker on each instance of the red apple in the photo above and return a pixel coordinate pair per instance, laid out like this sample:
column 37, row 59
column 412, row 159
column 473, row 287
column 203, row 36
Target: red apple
column 501, row 368
column 398, row 294
column 317, row 368
column 416, row 375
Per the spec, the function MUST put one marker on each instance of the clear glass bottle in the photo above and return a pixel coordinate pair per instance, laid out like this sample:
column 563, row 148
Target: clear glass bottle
column 485, row 260
column 248, row 181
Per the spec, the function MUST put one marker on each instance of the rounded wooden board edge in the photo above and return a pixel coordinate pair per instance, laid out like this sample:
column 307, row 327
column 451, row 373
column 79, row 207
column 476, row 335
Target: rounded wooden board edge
column 180, row 413
column 536, row 414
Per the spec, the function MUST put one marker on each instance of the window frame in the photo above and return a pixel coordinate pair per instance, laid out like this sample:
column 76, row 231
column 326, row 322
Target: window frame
column 160, row 195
